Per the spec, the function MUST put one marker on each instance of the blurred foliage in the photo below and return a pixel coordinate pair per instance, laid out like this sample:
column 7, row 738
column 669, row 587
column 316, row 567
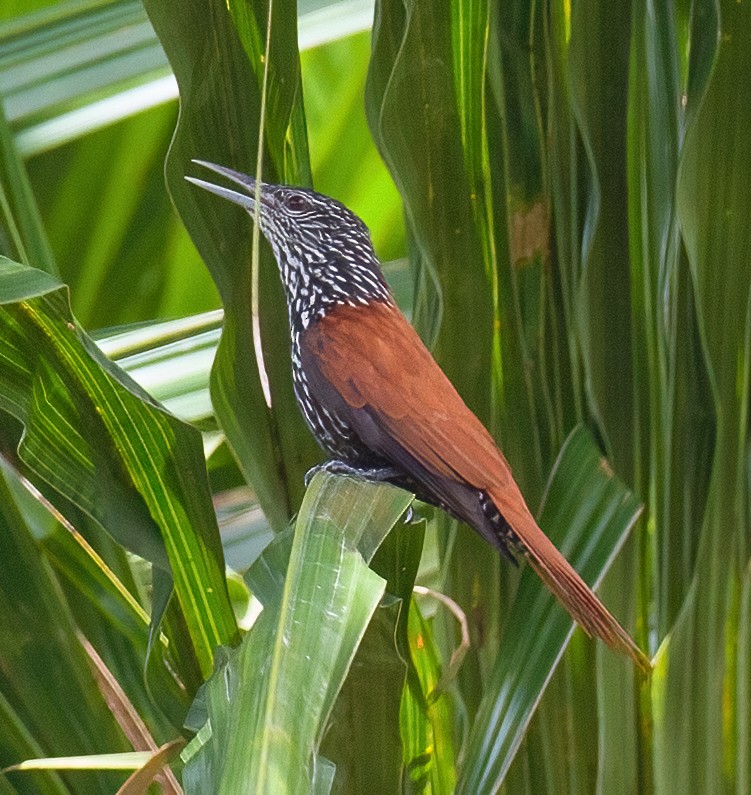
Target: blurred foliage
column 565, row 190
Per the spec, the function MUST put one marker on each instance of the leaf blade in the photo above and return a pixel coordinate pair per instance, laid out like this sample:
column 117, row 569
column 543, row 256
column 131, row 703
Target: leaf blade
column 588, row 513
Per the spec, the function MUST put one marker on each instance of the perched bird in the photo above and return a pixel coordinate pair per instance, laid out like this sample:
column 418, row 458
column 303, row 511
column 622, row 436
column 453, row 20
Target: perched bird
column 376, row 400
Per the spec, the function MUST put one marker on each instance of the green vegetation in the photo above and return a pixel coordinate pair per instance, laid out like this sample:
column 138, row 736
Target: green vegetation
column 561, row 192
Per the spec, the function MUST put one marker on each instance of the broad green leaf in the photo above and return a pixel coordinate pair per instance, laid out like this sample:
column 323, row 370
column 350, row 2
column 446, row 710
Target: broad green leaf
column 532, row 402
column 323, row 776
column 42, row 664
column 118, row 242
column 671, row 388
column 535, row 401
column 75, row 68
column 671, row 431
column 421, row 143
column 586, row 121
column 742, row 690
column 567, row 192
column 426, row 714
column 15, row 8
column 558, row 124
column 421, row 131
column 588, row 513
column 220, row 78
column 696, row 732
column 268, row 703
column 79, row 66
column 21, row 232
column 18, row 743
column 598, row 56
column 103, row 600
column 171, row 360
column 335, row 74
column 363, row 737
column 94, row 443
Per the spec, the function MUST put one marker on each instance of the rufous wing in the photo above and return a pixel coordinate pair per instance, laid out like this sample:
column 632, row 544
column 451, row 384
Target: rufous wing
column 369, row 365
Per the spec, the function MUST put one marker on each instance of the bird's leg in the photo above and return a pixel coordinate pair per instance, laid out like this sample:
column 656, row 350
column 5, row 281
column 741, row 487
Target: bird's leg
column 336, row 467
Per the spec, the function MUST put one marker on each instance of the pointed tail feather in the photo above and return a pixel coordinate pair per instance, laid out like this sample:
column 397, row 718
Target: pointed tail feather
column 563, row 580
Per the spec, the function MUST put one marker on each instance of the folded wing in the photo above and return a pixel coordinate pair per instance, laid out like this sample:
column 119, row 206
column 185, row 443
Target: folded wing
column 374, row 371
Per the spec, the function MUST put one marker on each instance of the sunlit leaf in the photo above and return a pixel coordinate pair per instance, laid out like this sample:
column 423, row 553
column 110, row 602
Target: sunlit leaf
column 274, row 448
column 21, row 232
column 427, row 716
column 43, row 664
column 695, row 736
column 264, row 730
column 588, row 513
column 363, row 737
column 95, row 443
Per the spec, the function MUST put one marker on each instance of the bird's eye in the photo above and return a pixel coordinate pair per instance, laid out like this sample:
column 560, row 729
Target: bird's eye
column 295, row 203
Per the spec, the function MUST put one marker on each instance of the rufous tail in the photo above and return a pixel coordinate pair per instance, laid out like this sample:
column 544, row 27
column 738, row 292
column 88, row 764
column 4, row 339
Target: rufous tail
column 563, row 580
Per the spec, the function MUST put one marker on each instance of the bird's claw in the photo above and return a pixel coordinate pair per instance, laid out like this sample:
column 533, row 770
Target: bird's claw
column 309, row 474
column 341, row 468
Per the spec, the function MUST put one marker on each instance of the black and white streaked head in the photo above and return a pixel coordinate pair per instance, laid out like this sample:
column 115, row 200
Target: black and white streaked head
column 324, row 250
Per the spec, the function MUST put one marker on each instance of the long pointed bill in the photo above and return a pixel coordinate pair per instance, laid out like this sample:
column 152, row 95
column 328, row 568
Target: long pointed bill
column 246, row 198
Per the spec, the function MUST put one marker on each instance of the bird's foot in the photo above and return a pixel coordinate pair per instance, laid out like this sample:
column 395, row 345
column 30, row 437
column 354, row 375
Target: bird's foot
column 341, row 468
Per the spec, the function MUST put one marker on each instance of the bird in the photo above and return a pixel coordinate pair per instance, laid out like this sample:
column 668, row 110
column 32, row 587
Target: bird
column 376, row 400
